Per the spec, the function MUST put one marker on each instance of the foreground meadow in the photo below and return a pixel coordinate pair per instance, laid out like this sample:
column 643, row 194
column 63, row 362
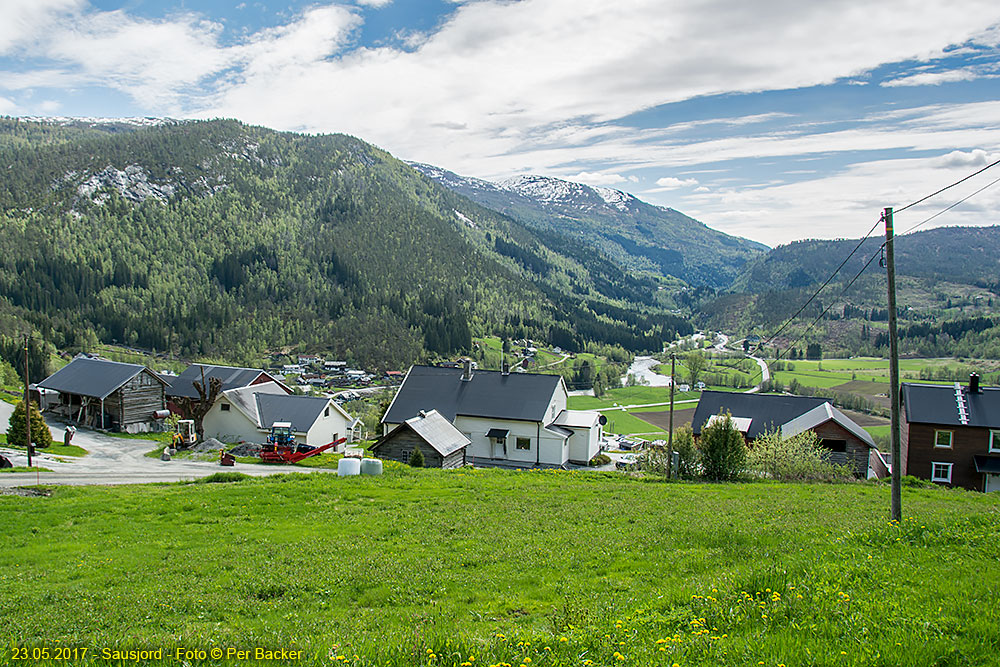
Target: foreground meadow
column 423, row 567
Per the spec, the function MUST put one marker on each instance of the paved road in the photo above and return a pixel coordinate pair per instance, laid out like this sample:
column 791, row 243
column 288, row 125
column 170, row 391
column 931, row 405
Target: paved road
column 113, row 461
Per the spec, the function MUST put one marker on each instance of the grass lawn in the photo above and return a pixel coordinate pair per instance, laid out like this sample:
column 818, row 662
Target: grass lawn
column 459, row 568
column 623, row 423
column 880, row 431
column 24, row 469
column 56, row 449
column 628, row 396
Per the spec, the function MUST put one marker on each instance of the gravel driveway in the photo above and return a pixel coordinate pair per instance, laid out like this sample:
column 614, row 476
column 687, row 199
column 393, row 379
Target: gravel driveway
column 112, row 461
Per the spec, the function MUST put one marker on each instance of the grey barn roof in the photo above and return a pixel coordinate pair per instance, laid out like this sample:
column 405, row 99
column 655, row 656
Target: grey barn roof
column 767, row 411
column 521, row 396
column 938, row 404
column 96, row 378
column 301, row 411
column 433, row 429
column 231, row 376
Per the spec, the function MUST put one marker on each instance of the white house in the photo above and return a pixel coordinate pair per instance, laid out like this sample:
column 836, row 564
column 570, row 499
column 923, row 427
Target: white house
column 247, row 413
column 515, row 420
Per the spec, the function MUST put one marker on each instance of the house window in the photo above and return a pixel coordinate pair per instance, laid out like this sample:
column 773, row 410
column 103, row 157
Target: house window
column 405, row 458
column 524, row 443
column 224, row 407
column 326, row 413
column 941, row 472
column 995, row 441
column 838, row 446
column 942, row 439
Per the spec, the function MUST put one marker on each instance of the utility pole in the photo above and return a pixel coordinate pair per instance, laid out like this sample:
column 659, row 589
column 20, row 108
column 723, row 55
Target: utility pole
column 670, row 433
column 897, row 456
column 27, row 402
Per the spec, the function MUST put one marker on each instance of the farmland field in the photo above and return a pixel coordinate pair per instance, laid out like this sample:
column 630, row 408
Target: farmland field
column 423, row 567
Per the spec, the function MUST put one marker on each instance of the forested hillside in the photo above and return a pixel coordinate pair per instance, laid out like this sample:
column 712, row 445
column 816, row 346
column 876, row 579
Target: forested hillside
column 215, row 239
column 948, row 293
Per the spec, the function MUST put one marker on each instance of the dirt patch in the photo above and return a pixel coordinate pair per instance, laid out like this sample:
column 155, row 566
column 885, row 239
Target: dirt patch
column 25, row 491
column 863, row 420
column 662, row 419
column 875, row 391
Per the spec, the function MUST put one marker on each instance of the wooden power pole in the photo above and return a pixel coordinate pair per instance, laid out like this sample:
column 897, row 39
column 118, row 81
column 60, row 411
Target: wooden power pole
column 897, row 455
column 27, row 402
column 670, row 433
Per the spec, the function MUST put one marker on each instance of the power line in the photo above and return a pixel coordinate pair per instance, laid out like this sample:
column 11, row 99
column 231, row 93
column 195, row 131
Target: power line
column 815, row 294
column 948, row 187
column 948, row 208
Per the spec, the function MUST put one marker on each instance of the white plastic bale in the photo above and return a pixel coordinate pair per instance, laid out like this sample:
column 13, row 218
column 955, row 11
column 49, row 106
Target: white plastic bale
column 371, row 466
column 347, row 467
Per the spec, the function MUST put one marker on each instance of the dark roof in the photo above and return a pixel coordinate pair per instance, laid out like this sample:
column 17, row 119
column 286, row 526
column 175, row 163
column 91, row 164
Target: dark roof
column 939, row 404
column 987, row 464
column 497, row 433
column 766, row 411
column 301, row 411
column 231, row 376
column 97, row 378
column 521, row 396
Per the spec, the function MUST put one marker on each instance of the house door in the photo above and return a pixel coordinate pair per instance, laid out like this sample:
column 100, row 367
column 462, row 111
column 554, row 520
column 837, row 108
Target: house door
column 992, row 483
column 499, row 449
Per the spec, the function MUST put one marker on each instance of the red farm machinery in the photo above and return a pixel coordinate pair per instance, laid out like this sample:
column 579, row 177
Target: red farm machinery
column 282, row 448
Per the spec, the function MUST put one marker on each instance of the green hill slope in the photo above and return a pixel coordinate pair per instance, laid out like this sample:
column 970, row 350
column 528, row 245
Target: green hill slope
column 219, row 239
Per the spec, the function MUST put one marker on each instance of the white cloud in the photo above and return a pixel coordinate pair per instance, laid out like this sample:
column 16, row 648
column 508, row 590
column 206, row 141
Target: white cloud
column 373, row 3
column 7, row 107
column 933, row 78
column 25, row 22
column 671, row 182
column 974, row 158
column 596, row 178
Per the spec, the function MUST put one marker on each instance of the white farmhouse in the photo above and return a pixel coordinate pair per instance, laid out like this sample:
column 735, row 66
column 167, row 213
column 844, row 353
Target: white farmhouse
column 511, row 420
column 247, row 413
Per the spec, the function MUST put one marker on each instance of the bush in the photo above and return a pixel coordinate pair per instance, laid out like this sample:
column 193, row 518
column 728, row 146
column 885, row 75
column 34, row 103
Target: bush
column 17, row 435
column 599, row 460
column 417, row 458
column 795, row 459
column 689, row 458
column 723, row 450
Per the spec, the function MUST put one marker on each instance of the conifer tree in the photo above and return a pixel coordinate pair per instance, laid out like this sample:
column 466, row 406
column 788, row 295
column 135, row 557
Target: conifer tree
column 17, row 435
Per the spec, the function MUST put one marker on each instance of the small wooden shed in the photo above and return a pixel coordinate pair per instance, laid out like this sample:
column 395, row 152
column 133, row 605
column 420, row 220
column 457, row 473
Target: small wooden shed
column 107, row 395
column 442, row 445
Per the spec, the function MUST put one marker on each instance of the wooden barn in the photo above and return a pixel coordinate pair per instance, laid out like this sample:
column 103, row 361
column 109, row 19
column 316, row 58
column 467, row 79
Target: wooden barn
column 107, row 395
column 442, row 445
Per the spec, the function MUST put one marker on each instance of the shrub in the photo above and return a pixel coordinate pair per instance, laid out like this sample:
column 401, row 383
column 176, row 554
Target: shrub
column 689, row 458
column 723, row 451
column 17, row 435
column 599, row 460
column 417, row 458
column 798, row 458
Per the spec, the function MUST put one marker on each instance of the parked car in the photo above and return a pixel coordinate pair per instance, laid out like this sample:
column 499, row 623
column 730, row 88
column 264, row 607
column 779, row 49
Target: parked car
column 626, row 462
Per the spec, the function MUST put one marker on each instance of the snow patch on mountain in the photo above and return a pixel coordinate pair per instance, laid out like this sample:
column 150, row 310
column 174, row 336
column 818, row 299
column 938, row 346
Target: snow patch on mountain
column 464, row 218
column 450, row 179
column 147, row 121
column 616, row 198
column 132, row 183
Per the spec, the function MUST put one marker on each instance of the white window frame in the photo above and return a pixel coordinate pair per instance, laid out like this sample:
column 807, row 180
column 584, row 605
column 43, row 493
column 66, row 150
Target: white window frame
column 937, row 478
column 405, row 456
column 224, row 407
column 994, row 441
column 951, row 439
column 517, row 444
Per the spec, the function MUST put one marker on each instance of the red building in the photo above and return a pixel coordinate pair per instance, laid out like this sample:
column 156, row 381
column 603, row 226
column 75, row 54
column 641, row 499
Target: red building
column 951, row 434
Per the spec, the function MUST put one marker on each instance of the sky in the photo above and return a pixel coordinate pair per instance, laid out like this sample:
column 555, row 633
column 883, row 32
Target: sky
column 775, row 120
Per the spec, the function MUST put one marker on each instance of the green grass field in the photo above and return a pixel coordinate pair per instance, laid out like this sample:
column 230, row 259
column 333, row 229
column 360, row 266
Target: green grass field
column 56, row 449
column 461, row 568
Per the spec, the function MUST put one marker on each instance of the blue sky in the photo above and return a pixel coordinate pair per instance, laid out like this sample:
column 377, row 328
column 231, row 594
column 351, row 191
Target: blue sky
column 775, row 120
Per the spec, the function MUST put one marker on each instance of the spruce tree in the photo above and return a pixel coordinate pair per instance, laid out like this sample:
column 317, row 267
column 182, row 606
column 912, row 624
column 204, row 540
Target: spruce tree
column 17, row 435
column 417, row 458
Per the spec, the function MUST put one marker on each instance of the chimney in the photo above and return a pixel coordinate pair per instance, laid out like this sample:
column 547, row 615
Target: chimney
column 505, row 368
column 466, row 370
column 974, row 383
